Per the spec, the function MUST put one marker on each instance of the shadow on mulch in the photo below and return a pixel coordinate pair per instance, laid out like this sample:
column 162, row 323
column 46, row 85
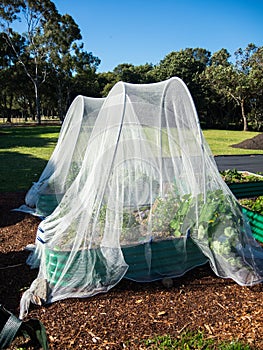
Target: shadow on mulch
column 8, row 202
column 15, row 277
column 12, row 219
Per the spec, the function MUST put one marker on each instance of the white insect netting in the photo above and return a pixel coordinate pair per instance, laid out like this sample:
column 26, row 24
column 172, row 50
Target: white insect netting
column 66, row 160
column 148, row 201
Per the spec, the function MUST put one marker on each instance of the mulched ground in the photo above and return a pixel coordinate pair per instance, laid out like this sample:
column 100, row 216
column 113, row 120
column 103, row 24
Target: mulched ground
column 255, row 142
column 130, row 312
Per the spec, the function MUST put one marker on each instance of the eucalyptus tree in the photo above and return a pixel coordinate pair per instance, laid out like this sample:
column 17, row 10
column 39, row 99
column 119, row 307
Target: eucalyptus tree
column 186, row 64
column 256, row 76
column 134, row 74
column 233, row 81
column 85, row 80
column 220, row 110
column 10, row 72
column 106, row 81
column 122, row 72
column 68, row 60
column 51, row 44
column 38, row 19
column 220, row 58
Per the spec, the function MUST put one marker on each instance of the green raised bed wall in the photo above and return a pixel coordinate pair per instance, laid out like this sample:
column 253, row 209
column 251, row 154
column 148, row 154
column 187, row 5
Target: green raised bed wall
column 256, row 223
column 247, row 189
column 167, row 258
column 47, row 203
column 147, row 262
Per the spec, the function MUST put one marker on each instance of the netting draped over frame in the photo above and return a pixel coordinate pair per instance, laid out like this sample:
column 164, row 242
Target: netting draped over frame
column 147, row 202
column 66, row 159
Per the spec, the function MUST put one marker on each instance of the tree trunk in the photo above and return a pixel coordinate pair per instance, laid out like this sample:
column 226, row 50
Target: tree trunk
column 245, row 125
column 60, row 108
column 9, row 110
column 38, row 114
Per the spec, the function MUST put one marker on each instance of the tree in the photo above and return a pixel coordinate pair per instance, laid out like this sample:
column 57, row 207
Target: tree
column 186, row 64
column 68, row 60
column 39, row 20
column 220, row 58
column 106, row 81
column 134, row 74
column 233, row 81
column 10, row 72
column 50, row 46
column 256, row 76
column 126, row 72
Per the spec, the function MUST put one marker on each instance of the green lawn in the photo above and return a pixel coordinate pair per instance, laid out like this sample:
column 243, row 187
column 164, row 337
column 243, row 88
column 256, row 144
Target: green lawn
column 25, row 150
column 220, row 141
column 193, row 341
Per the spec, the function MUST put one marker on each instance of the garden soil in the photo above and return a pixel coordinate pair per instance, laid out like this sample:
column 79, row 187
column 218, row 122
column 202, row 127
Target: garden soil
column 255, row 142
column 131, row 312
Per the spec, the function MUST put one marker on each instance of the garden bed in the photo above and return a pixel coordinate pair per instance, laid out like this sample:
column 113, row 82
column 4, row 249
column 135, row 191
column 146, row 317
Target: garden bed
column 256, row 223
column 253, row 208
column 47, row 203
column 131, row 312
column 243, row 184
column 248, row 189
column 168, row 257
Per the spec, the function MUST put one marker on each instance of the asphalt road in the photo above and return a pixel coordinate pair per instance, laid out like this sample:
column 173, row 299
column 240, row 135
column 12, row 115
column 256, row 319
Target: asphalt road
column 252, row 163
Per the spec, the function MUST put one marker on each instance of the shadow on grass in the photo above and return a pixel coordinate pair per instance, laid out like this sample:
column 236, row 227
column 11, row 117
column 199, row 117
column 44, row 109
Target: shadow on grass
column 28, row 136
column 18, row 171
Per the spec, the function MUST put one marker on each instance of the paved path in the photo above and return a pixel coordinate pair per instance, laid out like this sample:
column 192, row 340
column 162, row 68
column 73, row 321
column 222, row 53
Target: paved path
column 252, row 163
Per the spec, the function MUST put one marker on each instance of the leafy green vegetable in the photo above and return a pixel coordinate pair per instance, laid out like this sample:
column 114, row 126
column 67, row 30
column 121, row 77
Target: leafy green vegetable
column 254, row 204
column 233, row 176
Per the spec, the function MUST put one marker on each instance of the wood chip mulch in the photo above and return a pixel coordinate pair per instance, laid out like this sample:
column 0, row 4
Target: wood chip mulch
column 131, row 312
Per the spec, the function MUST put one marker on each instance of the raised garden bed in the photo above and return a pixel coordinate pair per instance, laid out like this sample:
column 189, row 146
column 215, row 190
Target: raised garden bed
column 248, row 189
column 170, row 251
column 253, row 208
column 256, row 223
column 47, row 203
column 168, row 257
column 243, row 184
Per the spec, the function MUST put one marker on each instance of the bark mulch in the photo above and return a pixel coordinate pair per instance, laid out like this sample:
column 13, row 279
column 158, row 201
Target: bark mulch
column 131, row 312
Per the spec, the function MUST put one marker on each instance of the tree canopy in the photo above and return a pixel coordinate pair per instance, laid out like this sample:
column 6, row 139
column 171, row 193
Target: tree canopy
column 51, row 46
column 47, row 67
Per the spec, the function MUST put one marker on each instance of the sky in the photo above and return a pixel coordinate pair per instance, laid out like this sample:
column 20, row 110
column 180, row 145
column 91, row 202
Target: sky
column 145, row 31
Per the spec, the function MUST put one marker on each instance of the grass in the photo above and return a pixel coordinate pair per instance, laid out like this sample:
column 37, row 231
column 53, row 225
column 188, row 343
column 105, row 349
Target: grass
column 25, row 150
column 220, row 141
column 192, row 341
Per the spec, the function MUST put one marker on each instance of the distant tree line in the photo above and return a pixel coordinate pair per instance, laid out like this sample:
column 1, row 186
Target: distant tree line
column 44, row 67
